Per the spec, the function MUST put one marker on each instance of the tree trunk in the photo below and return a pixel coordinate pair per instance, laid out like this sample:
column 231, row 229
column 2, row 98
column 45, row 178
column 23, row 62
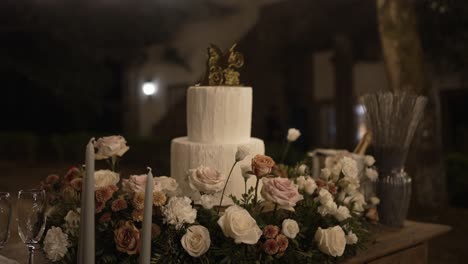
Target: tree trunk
column 404, row 60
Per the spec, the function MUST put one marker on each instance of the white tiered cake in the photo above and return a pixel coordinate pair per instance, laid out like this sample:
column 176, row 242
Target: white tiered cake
column 218, row 121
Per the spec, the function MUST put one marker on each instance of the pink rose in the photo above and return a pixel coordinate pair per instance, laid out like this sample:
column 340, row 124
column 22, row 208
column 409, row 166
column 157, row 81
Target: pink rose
column 281, row 191
column 137, row 183
column 112, row 146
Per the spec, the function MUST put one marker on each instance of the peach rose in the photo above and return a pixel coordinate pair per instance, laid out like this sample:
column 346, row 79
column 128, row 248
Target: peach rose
column 127, row 237
column 262, row 165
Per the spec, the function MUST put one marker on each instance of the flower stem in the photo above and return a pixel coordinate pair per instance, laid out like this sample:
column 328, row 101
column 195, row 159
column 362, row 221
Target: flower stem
column 274, row 211
column 256, row 192
column 225, row 185
column 286, row 149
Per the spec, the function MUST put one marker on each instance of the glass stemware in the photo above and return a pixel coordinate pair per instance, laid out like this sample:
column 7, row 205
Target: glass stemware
column 5, row 218
column 31, row 218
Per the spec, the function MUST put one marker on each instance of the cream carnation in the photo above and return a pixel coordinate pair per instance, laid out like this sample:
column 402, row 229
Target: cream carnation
column 281, row 191
column 293, row 134
column 72, row 221
column 111, row 146
column 104, row 178
column 239, row 225
column 290, row 228
column 55, row 244
column 206, row 180
column 196, row 240
column 179, row 211
column 331, row 241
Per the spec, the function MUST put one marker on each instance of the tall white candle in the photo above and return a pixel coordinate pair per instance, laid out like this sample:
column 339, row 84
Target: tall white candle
column 145, row 245
column 86, row 253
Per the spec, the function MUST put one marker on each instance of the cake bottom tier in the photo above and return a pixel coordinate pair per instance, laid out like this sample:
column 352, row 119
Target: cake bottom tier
column 186, row 155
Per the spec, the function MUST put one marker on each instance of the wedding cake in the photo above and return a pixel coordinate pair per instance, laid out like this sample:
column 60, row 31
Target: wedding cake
column 219, row 119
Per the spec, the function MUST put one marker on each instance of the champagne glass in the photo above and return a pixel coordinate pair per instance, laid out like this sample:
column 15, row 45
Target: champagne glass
column 31, row 218
column 5, row 218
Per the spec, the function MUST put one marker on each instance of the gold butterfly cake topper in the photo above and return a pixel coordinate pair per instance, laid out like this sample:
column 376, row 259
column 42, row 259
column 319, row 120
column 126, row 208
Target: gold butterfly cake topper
column 222, row 69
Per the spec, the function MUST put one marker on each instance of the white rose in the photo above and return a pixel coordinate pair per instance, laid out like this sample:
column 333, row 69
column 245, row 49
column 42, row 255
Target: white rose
column 206, row 180
column 111, row 146
column 167, row 185
column 208, row 201
column 310, row 185
column 374, row 200
column 372, row 174
column 239, row 225
column 349, row 167
column 351, row 238
column 242, row 152
column 300, row 181
column 72, row 221
column 196, row 240
column 325, row 174
column 369, row 160
column 104, row 178
column 293, row 134
column 290, row 228
column 331, row 241
column 55, row 244
column 179, row 211
column 342, row 213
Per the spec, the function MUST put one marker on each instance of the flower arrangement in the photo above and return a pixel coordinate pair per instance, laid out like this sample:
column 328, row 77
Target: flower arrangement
column 293, row 217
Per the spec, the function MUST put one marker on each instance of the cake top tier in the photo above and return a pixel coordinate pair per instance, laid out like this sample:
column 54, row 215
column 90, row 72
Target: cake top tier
column 219, row 114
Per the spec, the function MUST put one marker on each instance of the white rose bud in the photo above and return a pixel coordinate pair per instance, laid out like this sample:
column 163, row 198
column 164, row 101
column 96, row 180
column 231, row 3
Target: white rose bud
column 374, row 200
column 325, row 173
column 239, row 225
column 290, row 228
column 300, row 181
column 293, row 134
column 302, row 169
column 246, row 171
column 372, row 174
column 310, row 186
column 196, row 240
column 342, row 213
column 351, row 238
column 369, row 160
column 331, row 241
column 242, row 152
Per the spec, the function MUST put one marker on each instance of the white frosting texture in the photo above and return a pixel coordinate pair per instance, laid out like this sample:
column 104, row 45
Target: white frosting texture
column 219, row 114
column 186, row 155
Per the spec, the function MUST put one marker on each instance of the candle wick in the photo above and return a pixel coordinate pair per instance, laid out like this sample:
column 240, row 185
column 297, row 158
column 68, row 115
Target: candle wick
column 149, row 169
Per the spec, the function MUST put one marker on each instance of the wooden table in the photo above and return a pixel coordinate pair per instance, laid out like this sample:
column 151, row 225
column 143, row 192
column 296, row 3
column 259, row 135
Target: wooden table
column 407, row 245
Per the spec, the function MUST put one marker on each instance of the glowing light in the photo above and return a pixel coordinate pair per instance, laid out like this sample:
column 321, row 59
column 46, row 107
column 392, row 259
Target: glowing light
column 150, row 88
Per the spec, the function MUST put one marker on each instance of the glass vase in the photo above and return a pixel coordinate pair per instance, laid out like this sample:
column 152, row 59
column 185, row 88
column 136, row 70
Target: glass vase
column 394, row 191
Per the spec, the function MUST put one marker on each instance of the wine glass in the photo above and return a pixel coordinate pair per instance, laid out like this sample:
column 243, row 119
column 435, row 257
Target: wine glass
column 5, row 218
column 31, row 218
